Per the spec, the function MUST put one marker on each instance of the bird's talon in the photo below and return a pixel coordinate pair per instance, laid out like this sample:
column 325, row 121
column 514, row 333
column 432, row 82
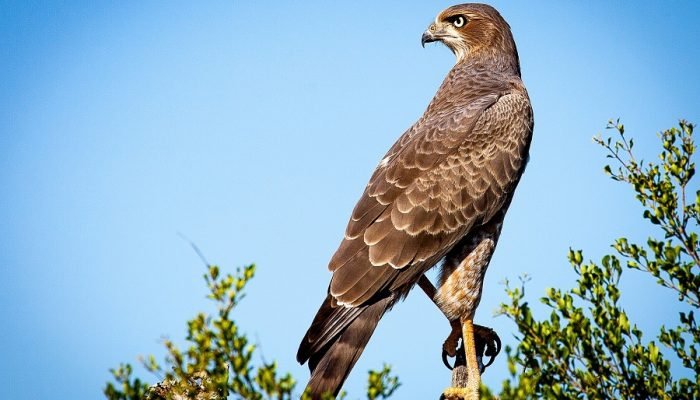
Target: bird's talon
column 445, row 355
column 449, row 347
column 460, row 358
column 487, row 344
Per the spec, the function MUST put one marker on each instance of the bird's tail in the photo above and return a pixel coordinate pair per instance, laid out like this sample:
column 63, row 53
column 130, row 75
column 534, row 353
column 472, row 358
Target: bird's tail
column 335, row 341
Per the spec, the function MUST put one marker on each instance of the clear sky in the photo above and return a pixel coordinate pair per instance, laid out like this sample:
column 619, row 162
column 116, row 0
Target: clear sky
column 252, row 128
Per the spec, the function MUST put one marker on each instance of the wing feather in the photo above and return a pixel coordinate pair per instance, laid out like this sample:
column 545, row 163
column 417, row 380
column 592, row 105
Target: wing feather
column 450, row 172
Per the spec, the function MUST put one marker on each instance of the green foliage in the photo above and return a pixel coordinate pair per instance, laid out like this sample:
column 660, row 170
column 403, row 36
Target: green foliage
column 127, row 388
column 381, row 384
column 219, row 360
column 588, row 347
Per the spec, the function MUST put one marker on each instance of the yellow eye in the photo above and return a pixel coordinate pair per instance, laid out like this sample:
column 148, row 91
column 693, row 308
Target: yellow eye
column 458, row 22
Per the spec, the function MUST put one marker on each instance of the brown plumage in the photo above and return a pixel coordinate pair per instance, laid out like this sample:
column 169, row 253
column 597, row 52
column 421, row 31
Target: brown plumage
column 441, row 191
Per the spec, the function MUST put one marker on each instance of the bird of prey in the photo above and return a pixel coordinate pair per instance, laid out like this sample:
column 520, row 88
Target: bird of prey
column 440, row 193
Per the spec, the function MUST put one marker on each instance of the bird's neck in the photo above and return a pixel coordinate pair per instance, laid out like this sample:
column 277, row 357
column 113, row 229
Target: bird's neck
column 491, row 59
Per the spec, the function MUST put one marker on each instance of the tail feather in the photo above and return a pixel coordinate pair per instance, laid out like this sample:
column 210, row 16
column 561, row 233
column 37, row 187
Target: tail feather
column 329, row 321
column 331, row 357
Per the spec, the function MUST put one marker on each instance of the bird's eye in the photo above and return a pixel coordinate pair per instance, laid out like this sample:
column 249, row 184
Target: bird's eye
column 458, row 21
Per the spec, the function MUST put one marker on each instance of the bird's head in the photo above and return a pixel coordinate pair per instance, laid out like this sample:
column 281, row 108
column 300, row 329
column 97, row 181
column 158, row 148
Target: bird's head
column 472, row 30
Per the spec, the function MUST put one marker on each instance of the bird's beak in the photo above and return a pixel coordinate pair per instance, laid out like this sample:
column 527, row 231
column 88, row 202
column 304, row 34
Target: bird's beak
column 428, row 36
column 434, row 33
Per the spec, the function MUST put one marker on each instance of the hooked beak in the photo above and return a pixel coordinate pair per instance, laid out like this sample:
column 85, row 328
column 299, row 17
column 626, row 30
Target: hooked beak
column 427, row 37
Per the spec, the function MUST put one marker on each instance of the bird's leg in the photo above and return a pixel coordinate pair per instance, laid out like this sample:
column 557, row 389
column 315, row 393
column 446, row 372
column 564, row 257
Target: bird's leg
column 487, row 341
column 449, row 347
column 472, row 365
column 428, row 288
column 466, row 382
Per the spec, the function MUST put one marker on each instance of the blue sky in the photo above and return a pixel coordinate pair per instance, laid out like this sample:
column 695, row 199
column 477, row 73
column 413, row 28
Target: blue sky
column 252, row 128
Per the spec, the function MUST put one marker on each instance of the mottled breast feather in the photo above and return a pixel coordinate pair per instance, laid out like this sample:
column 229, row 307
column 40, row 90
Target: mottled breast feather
column 451, row 171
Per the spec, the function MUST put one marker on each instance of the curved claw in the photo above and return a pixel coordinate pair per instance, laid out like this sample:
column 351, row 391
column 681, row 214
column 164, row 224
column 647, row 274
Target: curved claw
column 445, row 361
column 460, row 357
column 493, row 349
column 487, row 344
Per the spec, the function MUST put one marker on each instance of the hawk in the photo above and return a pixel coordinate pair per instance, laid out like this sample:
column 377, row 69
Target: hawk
column 440, row 193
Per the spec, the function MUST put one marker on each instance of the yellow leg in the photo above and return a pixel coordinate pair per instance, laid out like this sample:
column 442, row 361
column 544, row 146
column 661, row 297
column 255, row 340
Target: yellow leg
column 466, row 389
column 472, row 366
